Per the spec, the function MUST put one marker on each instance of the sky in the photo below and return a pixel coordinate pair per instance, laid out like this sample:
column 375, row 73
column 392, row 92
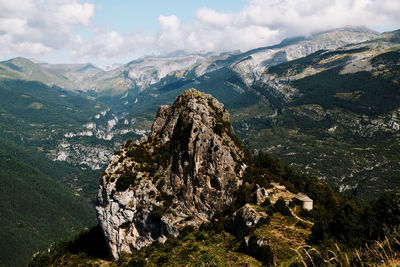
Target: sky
column 104, row 32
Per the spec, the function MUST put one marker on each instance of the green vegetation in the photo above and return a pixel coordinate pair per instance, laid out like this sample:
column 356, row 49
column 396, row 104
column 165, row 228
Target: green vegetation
column 337, row 219
column 57, row 106
column 36, row 209
column 149, row 161
column 88, row 244
column 316, row 133
column 281, row 207
column 197, row 248
column 41, row 201
column 329, row 123
column 126, row 180
column 167, row 202
column 297, row 66
column 354, row 223
column 322, row 88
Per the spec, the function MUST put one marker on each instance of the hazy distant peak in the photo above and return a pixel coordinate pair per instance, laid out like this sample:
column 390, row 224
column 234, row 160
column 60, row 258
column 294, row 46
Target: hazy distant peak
column 111, row 66
column 350, row 29
column 19, row 60
column 89, row 66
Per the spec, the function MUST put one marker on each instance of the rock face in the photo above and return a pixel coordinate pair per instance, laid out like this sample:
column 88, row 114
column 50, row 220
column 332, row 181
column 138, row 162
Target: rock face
column 185, row 172
column 245, row 218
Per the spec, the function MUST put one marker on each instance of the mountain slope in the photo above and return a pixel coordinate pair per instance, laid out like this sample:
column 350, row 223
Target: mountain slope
column 142, row 73
column 36, row 209
column 190, row 172
column 139, row 74
column 41, row 201
column 24, row 69
column 190, row 194
column 66, row 76
column 335, row 105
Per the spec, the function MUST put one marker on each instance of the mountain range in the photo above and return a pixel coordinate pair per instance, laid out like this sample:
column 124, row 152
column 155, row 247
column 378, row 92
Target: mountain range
column 191, row 193
column 326, row 104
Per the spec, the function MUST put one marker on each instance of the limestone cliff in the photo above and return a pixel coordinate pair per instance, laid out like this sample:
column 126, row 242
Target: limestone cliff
column 185, row 172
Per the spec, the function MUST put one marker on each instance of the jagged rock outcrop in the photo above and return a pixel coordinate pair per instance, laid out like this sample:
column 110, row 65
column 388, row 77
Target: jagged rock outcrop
column 261, row 195
column 245, row 218
column 186, row 171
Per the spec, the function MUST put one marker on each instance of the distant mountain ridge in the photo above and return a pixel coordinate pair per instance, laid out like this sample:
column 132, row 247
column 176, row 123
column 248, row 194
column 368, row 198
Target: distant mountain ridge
column 146, row 71
column 341, row 98
column 328, row 105
column 259, row 87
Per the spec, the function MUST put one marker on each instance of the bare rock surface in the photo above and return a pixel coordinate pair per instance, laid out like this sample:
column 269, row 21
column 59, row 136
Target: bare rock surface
column 188, row 169
column 245, row 218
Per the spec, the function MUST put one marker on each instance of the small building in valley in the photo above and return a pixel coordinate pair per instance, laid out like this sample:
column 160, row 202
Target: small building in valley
column 305, row 202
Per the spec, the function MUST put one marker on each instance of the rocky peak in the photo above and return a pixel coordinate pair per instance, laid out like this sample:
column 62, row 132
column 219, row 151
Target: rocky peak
column 187, row 170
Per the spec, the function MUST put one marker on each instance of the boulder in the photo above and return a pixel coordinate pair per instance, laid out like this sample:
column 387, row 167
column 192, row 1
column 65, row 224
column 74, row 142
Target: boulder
column 244, row 219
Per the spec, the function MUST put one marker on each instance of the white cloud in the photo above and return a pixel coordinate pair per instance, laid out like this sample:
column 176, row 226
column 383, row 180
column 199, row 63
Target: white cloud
column 13, row 26
column 38, row 26
column 260, row 23
column 33, row 27
column 304, row 16
column 75, row 13
column 172, row 33
column 211, row 17
column 111, row 45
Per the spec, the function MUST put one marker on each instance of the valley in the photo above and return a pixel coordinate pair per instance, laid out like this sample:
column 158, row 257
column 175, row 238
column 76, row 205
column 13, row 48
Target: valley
column 327, row 105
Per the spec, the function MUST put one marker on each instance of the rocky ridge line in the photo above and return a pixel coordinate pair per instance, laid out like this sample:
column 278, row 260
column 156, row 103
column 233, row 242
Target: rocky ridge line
column 184, row 173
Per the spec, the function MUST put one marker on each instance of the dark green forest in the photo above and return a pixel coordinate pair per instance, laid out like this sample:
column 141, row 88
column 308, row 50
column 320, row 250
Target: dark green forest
column 37, row 204
column 339, row 220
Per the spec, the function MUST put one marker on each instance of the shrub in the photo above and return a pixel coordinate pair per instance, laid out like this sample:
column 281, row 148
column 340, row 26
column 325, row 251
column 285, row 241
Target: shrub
column 301, row 225
column 280, row 206
column 266, row 203
column 158, row 212
column 137, row 263
column 125, row 181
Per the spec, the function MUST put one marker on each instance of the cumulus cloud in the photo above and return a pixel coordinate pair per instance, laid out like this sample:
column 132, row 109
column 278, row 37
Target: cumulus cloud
column 172, row 32
column 304, row 16
column 260, row 23
column 33, row 27
column 39, row 26
column 110, row 46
